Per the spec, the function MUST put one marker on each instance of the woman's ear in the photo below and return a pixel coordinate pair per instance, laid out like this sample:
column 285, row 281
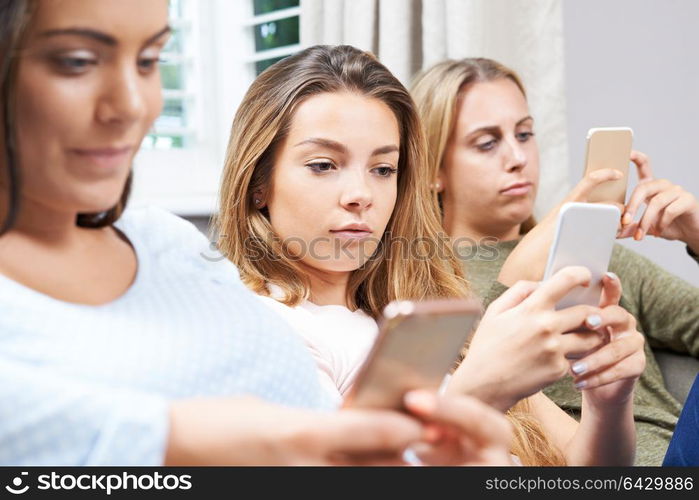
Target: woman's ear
column 258, row 199
column 438, row 184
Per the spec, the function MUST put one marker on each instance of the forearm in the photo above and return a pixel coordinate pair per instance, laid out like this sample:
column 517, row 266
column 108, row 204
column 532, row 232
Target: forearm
column 605, row 436
column 223, row 431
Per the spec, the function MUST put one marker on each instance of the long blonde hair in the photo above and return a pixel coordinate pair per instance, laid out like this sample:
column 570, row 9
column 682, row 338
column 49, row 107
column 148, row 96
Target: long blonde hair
column 436, row 91
column 260, row 125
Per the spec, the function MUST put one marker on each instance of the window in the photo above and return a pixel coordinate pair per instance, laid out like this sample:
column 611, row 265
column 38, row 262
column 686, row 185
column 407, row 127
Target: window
column 276, row 30
column 216, row 49
column 173, row 130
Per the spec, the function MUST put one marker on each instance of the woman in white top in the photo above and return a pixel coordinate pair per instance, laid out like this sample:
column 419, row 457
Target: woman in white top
column 327, row 213
column 119, row 342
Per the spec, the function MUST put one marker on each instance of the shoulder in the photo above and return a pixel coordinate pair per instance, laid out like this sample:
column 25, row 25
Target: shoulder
column 159, row 227
column 172, row 240
column 298, row 318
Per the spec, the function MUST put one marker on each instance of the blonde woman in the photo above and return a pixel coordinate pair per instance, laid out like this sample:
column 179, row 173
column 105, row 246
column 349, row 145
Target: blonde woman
column 484, row 159
column 326, row 211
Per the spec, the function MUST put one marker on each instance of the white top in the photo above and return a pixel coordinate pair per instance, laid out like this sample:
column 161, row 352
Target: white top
column 92, row 384
column 339, row 339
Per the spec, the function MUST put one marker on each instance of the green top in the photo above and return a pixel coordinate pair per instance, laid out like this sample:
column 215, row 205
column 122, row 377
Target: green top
column 667, row 312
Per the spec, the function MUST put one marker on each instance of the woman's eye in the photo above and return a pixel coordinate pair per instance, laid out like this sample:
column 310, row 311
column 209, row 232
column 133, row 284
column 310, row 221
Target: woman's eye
column 524, row 136
column 486, row 146
column 74, row 64
column 320, row 167
column 385, row 171
column 149, row 64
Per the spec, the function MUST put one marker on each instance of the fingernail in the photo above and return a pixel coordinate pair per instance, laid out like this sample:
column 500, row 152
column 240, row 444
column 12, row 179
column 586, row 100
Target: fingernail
column 639, row 235
column 593, row 320
column 618, row 174
column 432, row 433
column 626, row 220
column 581, row 384
column 612, row 275
column 579, row 368
column 420, row 399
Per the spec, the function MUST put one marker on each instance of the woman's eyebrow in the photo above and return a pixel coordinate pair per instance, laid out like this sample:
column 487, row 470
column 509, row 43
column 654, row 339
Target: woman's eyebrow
column 494, row 129
column 488, row 129
column 326, row 143
column 98, row 36
column 384, row 150
column 341, row 148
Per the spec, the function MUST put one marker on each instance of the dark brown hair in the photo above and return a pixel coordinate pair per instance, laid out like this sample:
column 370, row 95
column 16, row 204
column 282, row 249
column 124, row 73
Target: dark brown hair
column 15, row 17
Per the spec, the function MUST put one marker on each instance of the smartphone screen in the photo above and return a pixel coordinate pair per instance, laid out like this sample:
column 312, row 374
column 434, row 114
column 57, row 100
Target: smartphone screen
column 417, row 344
column 585, row 236
column 609, row 148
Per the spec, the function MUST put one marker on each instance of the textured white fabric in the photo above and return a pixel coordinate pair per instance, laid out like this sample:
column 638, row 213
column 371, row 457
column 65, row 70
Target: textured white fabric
column 410, row 35
column 91, row 385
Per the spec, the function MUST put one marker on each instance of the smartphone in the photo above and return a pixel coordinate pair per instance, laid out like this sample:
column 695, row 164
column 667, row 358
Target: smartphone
column 585, row 236
column 609, row 148
column 418, row 342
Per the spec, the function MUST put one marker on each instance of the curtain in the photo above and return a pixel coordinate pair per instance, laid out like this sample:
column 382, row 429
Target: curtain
column 410, row 35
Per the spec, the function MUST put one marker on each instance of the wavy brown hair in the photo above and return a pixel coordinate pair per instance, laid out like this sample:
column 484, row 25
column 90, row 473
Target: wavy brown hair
column 436, row 91
column 261, row 124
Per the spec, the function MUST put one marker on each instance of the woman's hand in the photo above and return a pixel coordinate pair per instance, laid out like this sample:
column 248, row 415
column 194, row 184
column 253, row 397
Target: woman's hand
column 522, row 344
column 460, row 430
column 671, row 212
column 608, row 375
column 528, row 260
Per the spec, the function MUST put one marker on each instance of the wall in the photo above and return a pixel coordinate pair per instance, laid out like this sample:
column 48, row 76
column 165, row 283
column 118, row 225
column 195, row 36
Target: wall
column 634, row 63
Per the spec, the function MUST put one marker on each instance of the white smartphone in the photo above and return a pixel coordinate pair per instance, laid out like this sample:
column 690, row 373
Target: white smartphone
column 585, row 236
column 418, row 342
column 609, row 147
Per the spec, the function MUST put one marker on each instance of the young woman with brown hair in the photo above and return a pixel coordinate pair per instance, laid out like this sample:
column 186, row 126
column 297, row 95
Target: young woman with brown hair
column 327, row 213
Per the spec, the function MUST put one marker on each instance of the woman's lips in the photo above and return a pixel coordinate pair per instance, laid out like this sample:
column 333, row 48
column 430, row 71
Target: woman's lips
column 517, row 189
column 107, row 158
column 348, row 234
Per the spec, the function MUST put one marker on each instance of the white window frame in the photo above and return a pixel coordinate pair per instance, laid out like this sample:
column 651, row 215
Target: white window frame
column 185, row 181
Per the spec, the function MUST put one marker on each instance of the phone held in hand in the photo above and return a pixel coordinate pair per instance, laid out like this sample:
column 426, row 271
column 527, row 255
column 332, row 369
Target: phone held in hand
column 609, row 147
column 585, row 236
column 418, row 342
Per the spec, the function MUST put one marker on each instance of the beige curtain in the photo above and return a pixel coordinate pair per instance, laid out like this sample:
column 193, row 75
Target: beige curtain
column 409, row 35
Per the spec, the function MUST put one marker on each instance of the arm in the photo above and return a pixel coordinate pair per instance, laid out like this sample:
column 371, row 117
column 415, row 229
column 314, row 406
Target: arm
column 528, row 260
column 606, row 372
column 604, row 436
column 249, row 431
column 664, row 305
column 51, row 418
column 523, row 343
